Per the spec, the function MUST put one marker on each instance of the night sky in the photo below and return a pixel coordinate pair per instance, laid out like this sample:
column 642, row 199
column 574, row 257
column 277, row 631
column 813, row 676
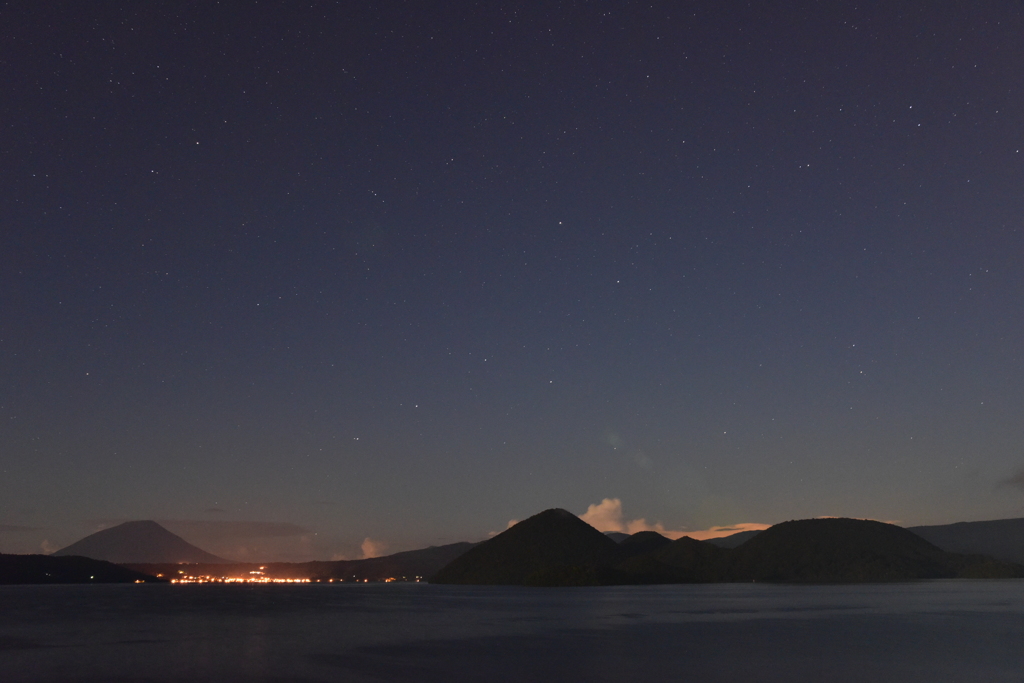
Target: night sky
column 313, row 280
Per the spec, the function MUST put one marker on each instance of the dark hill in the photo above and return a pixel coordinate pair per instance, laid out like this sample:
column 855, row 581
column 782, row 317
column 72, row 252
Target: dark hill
column 684, row 560
column 851, row 551
column 554, row 547
column 700, row 561
column 1002, row 539
column 138, row 543
column 22, row 569
column 733, row 540
column 640, row 543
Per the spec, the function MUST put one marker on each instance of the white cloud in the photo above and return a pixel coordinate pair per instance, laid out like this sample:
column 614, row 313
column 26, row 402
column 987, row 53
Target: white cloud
column 511, row 523
column 372, row 548
column 607, row 516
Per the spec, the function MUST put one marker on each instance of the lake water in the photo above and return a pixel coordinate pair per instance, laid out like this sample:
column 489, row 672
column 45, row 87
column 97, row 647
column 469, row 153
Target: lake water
column 931, row 631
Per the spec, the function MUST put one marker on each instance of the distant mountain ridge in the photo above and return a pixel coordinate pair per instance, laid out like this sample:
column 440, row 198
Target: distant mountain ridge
column 1003, row 539
column 142, row 542
column 645, row 557
column 536, row 551
column 556, row 548
column 733, row 540
column 844, row 551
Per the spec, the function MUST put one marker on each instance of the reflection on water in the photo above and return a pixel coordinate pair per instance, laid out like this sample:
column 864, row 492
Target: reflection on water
column 929, row 631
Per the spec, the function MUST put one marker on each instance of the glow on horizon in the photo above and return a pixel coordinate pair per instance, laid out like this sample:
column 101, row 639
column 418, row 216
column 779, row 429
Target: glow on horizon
column 607, row 516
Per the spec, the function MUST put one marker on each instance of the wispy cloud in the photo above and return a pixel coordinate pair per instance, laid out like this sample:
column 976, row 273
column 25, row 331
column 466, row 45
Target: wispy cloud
column 372, row 548
column 1015, row 480
column 607, row 516
column 511, row 523
column 719, row 531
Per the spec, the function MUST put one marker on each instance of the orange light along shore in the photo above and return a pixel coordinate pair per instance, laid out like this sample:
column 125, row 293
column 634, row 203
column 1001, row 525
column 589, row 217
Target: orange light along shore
column 265, row 579
column 220, row 579
column 260, row 577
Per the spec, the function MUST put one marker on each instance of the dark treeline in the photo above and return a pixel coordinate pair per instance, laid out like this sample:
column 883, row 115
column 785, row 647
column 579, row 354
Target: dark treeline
column 24, row 569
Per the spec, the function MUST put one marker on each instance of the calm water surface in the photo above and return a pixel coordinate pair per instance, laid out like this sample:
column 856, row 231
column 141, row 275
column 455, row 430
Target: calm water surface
column 929, row 631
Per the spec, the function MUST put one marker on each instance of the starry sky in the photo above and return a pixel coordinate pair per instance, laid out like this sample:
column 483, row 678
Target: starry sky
column 307, row 280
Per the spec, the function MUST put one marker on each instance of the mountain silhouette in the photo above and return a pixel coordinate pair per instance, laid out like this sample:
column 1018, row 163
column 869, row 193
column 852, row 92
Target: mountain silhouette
column 640, row 543
column 554, row 547
column 684, row 560
column 143, row 542
column 733, row 540
column 1003, row 539
column 852, row 551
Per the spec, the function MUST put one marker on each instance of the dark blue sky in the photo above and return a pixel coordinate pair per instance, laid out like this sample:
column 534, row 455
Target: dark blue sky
column 309, row 273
